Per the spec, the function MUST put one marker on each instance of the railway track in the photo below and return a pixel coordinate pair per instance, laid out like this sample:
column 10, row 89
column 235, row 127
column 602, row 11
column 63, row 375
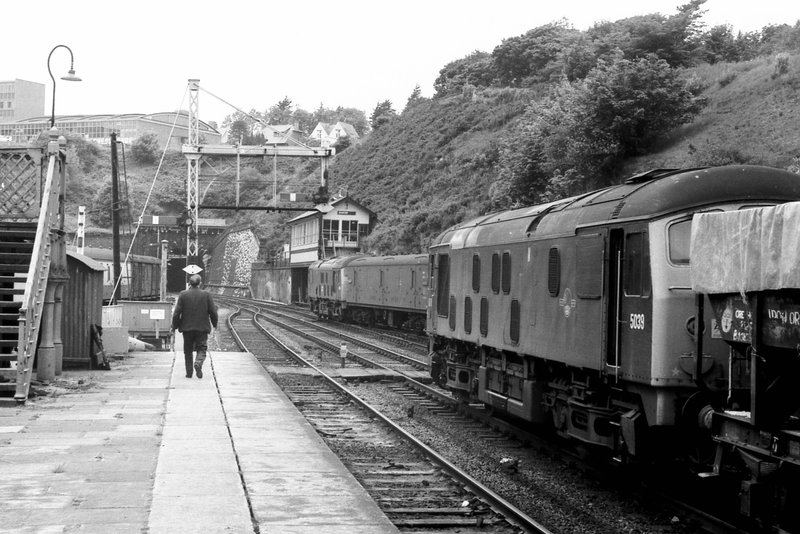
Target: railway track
column 474, row 421
column 419, row 490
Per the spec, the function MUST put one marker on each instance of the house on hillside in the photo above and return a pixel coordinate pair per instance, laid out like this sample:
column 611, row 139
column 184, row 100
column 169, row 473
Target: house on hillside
column 281, row 134
column 325, row 134
column 274, row 134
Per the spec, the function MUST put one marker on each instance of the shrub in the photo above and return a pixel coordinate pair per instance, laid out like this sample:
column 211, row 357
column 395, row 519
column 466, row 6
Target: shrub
column 728, row 78
column 781, row 65
column 145, row 149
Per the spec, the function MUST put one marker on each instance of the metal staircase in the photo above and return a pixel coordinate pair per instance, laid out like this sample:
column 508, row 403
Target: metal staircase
column 31, row 244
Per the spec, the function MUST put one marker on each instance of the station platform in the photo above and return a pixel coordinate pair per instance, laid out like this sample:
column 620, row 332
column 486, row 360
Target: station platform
column 142, row 448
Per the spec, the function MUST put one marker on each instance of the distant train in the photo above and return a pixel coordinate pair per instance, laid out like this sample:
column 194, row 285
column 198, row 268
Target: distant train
column 388, row 290
column 141, row 275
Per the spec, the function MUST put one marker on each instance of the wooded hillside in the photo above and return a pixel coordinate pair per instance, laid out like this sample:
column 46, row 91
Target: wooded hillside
column 550, row 113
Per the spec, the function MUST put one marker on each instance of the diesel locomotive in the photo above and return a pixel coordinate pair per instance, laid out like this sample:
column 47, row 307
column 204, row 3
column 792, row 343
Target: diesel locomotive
column 580, row 314
column 384, row 290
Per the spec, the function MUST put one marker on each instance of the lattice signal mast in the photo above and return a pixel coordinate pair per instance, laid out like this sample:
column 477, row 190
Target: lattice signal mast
column 194, row 153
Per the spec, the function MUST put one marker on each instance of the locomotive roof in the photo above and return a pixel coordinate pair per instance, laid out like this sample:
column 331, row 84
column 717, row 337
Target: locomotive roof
column 404, row 259
column 647, row 196
column 364, row 259
column 334, row 263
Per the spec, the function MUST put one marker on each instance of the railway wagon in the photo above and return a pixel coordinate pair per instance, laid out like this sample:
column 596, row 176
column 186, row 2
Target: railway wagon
column 388, row 290
column 580, row 314
column 141, row 275
column 748, row 264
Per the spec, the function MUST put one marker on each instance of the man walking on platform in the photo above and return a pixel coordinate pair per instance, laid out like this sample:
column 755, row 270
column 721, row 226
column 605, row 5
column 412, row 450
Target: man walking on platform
column 195, row 315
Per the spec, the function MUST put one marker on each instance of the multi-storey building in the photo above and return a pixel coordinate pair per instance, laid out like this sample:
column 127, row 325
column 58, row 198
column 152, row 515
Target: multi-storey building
column 20, row 99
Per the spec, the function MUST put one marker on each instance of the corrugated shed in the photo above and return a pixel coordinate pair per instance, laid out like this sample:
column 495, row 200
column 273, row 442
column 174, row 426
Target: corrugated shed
column 82, row 306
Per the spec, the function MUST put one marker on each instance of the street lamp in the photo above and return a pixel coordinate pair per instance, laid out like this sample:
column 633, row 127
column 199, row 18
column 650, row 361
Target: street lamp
column 70, row 77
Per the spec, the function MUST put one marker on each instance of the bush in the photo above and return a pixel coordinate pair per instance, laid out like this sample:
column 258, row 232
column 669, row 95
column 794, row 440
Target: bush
column 145, row 149
column 728, row 78
column 781, row 65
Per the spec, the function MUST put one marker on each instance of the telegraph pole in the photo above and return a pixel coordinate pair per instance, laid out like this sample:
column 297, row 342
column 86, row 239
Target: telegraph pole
column 115, row 215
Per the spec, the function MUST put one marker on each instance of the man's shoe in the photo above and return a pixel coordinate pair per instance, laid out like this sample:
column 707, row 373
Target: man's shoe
column 189, row 375
column 198, row 371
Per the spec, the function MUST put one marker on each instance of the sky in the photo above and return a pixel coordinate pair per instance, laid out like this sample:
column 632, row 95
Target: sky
column 137, row 57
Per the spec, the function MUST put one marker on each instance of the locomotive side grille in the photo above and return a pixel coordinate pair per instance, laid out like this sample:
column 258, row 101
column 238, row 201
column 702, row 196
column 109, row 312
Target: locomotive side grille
column 553, row 272
column 513, row 325
column 452, row 317
column 618, row 209
column 468, row 315
column 496, row 272
column 506, row 273
column 484, row 317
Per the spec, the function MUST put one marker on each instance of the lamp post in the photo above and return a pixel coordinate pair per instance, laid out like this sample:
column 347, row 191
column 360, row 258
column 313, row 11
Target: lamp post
column 70, row 77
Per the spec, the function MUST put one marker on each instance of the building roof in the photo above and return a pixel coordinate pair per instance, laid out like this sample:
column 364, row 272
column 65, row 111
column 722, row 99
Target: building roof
column 328, row 128
column 86, row 260
column 349, row 129
column 326, row 208
column 166, row 117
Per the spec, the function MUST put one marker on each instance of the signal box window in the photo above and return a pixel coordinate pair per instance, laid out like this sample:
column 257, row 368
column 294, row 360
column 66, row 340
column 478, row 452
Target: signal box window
column 330, row 230
column 484, row 317
column 637, row 265
column 443, row 285
column 506, row 273
column 496, row 272
column 468, row 315
column 476, row 273
column 350, row 231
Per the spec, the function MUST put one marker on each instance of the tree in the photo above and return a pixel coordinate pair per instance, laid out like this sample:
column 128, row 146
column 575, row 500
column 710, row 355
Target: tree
column 382, row 114
column 576, row 138
column 674, row 39
column 238, row 131
column 475, row 69
column 534, row 56
column 281, row 113
column 145, row 149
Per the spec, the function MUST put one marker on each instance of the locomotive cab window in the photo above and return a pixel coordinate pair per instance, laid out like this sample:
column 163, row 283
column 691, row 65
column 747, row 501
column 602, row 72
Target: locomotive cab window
column 637, row 265
column 679, row 236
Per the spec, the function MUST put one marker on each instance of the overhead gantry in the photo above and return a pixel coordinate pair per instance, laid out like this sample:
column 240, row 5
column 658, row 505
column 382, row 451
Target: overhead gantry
column 195, row 151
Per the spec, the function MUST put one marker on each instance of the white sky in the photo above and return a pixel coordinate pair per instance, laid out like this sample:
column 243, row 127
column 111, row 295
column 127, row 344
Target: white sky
column 136, row 56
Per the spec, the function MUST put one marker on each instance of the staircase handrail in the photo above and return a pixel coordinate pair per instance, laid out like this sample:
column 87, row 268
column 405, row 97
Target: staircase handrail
column 30, row 313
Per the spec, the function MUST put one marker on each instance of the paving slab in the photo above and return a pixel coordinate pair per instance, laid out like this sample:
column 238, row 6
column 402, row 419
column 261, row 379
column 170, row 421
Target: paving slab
column 141, row 448
column 80, row 455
